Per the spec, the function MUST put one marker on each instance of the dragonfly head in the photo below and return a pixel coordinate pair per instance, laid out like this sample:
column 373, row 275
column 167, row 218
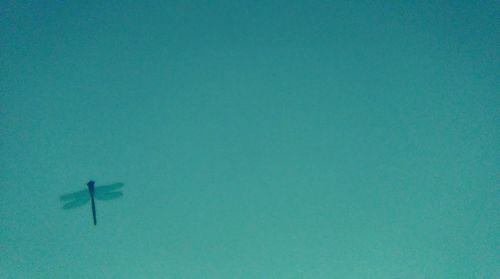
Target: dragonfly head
column 90, row 184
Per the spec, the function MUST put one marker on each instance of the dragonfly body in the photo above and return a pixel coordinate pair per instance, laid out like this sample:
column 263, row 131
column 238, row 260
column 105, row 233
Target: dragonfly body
column 79, row 198
column 91, row 186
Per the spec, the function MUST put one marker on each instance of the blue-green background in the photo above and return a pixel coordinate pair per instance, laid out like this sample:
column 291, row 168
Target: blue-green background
column 256, row 139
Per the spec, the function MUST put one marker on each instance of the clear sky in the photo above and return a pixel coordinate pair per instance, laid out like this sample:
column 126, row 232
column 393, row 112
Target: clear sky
column 256, row 139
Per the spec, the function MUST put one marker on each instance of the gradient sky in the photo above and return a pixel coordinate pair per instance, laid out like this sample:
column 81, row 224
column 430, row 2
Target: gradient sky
column 256, row 139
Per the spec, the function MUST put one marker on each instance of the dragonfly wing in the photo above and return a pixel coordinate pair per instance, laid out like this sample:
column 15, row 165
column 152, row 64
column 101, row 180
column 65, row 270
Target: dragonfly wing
column 76, row 195
column 108, row 196
column 108, row 188
column 76, row 203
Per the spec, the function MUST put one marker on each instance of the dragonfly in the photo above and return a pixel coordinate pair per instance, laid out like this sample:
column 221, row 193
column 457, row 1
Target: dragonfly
column 79, row 198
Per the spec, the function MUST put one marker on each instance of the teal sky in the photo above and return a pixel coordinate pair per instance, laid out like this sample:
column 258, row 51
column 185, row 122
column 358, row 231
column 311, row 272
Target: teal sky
column 256, row 139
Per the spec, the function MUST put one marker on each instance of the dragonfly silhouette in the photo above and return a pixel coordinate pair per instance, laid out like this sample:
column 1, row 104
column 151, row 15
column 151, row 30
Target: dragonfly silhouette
column 104, row 192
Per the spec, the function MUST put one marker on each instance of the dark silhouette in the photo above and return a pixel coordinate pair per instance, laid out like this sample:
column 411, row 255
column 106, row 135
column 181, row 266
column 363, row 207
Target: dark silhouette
column 91, row 184
column 105, row 192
